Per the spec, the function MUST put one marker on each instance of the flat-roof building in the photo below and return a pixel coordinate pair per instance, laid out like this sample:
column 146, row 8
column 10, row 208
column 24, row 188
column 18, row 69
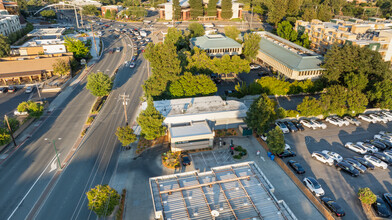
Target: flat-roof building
column 47, row 32
column 217, row 45
column 9, row 23
column 293, row 61
column 237, row 191
column 39, row 46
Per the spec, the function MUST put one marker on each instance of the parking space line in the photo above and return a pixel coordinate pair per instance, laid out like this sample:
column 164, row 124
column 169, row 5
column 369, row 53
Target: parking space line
column 215, row 157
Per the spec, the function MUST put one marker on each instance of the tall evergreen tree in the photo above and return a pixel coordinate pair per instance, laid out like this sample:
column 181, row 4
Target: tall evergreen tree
column 176, row 9
column 150, row 121
column 251, row 45
column 108, row 14
column 196, row 8
column 227, row 11
column 211, row 9
column 277, row 11
column 286, row 31
column 261, row 114
column 4, row 46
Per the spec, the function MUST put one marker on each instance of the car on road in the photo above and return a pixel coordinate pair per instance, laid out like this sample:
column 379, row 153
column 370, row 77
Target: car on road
column 323, row 158
column 364, row 162
column 185, row 160
column 282, row 127
column 383, row 157
column 388, row 199
column 255, row 67
column 29, row 89
column 376, row 162
column 314, row 186
column 378, row 118
column 366, row 118
column 333, row 206
column 370, row 148
column 12, row 89
column 335, row 156
column 3, row 90
column 357, row 165
column 334, row 121
column 380, row 208
column 308, row 124
column 319, row 124
column 298, row 125
column 352, row 120
column 297, row 167
column 355, row 148
column 287, row 153
column 345, row 166
column 380, row 145
column 291, row 126
column 132, row 65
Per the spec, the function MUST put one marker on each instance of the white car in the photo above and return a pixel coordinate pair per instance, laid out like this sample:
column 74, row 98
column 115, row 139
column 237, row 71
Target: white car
column 16, row 112
column 388, row 153
column 323, row 158
column 383, row 137
column 367, row 118
column 387, row 114
column 384, row 117
column 313, row 186
column 352, row 120
column 335, row 156
column 378, row 118
column 255, row 67
column 282, row 126
column 369, row 147
column 118, row 49
column 287, row 147
column 319, row 124
column 29, row 89
column 355, row 148
column 308, row 124
column 342, row 120
column 376, row 162
column 334, row 121
column 386, row 133
column 132, row 65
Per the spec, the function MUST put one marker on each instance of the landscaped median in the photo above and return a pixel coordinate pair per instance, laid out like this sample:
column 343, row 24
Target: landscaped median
column 298, row 182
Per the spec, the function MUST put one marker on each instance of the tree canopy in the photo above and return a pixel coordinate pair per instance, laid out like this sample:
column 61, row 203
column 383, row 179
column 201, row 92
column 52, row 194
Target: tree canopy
column 150, row 121
column 5, row 47
column 366, row 196
column 251, row 45
column 261, row 114
column 196, row 8
column 227, row 11
column 90, row 10
column 48, row 14
column 176, row 9
column 102, row 200
column 275, row 140
column 99, row 84
column 190, row 86
column 227, row 64
column 232, row 32
column 77, row 47
column 286, row 31
column 211, row 9
column 125, row 135
column 61, row 67
column 196, row 29
column 33, row 108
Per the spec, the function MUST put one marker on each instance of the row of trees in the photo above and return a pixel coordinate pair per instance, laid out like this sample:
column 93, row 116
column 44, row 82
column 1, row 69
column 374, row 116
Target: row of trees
column 5, row 42
column 79, row 49
column 5, row 136
column 197, row 9
column 285, row 30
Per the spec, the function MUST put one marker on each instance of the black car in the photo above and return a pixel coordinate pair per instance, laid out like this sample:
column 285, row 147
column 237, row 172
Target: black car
column 287, row 153
column 386, row 142
column 348, row 168
column 185, row 160
column 364, row 162
column 298, row 125
column 297, row 167
column 333, row 206
column 291, row 126
column 377, row 143
column 380, row 208
column 388, row 198
column 357, row 165
column 383, row 157
column 4, row 90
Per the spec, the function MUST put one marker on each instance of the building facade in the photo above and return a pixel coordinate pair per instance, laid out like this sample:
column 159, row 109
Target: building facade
column 293, row 61
column 191, row 136
column 217, row 45
column 9, row 23
column 375, row 33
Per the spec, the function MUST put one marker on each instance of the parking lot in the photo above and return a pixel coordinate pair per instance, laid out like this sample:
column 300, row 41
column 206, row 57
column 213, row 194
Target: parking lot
column 204, row 161
column 339, row 185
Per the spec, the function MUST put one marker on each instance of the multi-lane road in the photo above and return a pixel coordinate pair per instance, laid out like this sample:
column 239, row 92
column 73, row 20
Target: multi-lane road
column 25, row 175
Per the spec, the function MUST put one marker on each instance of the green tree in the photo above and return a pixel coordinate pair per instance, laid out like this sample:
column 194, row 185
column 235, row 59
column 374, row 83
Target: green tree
column 125, row 135
column 234, row 65
column 293, row 7
column 150, row 121
column 23, row 107
column 108, row 14
column 356, row 81
column 5, row 47
column 275, row 140
column 196, row 8
column 232, row 32
column 196, row 29
column 366, row 196
column 277, row 11
column 305, row 42
column 35, row 109
column 211, row 9
column 5, row 137
column 261, row 114
column 285, row 30
column 309, row 14
column 199, row 62
column 176, row 9
column 190, row 86
column 14, row 124
column 48, row 14
column 61, row 67
column 227, row 11
column 324, row 12
column 356, row 101
column 175, row 37
column 99, row 84
column 310, row 106
column 77, row 47
column 334, row 101
column 90, row 10
column 102, row 200
column 251, row 45
column 380, row 95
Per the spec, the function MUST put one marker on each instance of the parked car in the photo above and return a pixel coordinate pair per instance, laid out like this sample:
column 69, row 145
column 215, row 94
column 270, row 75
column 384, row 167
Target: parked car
column 118, row 49
column 185, row 160
column 383, row 137
column 291, row 126
column 388, row 153
column 29, row 89
column 12, row 89
column 298, row 125
column 334, row 121
column 355, row 148
column 18, row 113
column 319, row 123
column 287, row 153
column 376, row 162
column 388, row 199
column 370, row 148
column 297, row 167
column 380, row 145
column 357, row 165
column 255, row 67
column 287, row 147
column 323, row 158
column 387, row 114
column 313, row 186
column 380, row 208
column 335, row 156
column 132, row 65
column 383, row 157
column 386, row 133
column 386, row 141
column 282, row 126
column 383, row 117
column 378, row 118
column 364, row 162
column 347, row 168
column 352, row 120
column 333, row 206
column 342, row 120
column 3, row 90
column 308, row 124
column 366, row 118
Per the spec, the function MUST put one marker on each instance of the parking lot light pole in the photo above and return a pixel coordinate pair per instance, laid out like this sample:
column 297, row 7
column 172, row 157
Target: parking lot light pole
column 55, row 150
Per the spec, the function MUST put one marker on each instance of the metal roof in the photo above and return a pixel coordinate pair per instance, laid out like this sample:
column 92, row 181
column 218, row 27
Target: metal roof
column 216, row 41
column 238, row 191
column 194, row 129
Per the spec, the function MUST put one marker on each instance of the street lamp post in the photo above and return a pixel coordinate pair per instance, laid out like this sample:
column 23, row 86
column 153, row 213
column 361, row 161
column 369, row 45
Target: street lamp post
column 55, row 150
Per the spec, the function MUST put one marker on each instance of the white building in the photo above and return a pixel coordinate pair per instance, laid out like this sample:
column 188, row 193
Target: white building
column 9, row 23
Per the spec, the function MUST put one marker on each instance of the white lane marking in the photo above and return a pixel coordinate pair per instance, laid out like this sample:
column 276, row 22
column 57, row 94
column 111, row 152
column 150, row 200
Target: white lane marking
column 53, row 165
column 24, row 197
column 30, row 96
column 262, row 158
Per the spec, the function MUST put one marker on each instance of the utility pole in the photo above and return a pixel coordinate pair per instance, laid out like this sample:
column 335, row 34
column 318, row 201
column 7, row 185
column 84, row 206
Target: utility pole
column 9, row 128
column 76, row 17
column 95, row 43
column 125, row 99
column 251, row 19
column 39, row 94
